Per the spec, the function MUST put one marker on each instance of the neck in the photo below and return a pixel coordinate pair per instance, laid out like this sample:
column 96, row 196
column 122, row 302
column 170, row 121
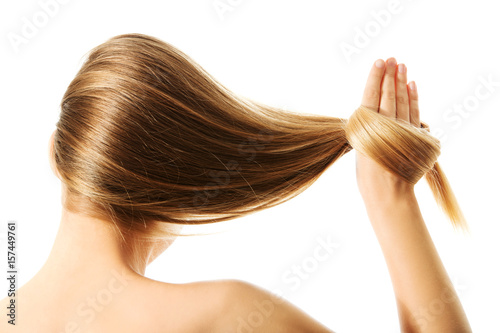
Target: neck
column 86, row 245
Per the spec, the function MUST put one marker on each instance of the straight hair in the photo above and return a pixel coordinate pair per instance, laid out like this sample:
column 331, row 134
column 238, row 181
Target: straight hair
column 147, row 138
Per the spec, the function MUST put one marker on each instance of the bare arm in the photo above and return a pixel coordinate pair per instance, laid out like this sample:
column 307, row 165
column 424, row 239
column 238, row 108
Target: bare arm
column 419, row 279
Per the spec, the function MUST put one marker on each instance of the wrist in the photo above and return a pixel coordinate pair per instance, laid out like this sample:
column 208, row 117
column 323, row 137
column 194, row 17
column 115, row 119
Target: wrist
column 393, row 214
column 387, row 189
column 383, row 196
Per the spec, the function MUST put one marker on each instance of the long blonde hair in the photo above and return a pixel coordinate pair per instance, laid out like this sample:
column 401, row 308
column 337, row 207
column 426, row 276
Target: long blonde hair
column 146, row 137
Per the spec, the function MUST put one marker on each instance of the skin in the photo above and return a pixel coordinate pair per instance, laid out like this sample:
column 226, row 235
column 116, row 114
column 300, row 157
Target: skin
column 90, row 283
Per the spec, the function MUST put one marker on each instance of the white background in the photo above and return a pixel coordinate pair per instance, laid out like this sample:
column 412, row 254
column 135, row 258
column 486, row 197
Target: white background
column 288, row 54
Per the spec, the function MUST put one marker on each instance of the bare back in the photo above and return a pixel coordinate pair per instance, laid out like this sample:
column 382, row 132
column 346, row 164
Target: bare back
column 116, row 304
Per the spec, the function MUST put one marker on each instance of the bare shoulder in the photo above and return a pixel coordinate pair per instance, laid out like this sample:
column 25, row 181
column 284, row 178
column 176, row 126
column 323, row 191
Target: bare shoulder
column 146, row 305
column 228, row 306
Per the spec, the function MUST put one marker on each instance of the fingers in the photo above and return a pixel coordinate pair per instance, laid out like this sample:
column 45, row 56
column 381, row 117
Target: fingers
column 371, row 96
column 414, row 111
column 402, row 98
column 387, row 91
column 388, row 96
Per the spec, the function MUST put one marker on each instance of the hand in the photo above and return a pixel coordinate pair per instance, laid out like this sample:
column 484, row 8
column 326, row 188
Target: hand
column 387, row 93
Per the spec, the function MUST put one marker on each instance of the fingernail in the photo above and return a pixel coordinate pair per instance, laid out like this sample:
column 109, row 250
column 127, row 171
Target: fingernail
column 413, row 86
column 391, row 62
column 402, row 68
column 379, row 63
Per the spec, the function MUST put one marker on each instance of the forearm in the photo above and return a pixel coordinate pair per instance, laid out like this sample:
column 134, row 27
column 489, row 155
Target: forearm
column 426, row 299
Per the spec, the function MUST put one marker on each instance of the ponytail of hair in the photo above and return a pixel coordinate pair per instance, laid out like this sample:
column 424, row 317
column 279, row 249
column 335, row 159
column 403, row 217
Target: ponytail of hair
column 148, row 138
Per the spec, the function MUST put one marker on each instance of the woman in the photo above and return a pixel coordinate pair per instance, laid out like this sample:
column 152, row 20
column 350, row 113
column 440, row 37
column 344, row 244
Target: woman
column 148, row 141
